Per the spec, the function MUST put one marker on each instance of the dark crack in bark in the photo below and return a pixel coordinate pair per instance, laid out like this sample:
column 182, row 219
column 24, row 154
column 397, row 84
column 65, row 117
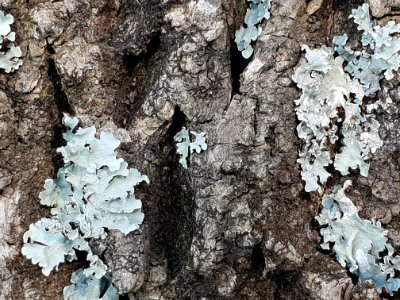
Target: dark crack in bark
column 178, row 222
column 238, row 65
column 63, row 106
column 137, row 82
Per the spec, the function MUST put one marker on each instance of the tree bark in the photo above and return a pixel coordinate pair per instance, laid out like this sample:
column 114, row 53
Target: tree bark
column 237, row 223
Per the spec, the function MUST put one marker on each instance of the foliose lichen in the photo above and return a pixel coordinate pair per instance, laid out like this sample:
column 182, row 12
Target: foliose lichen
column 358, row 244
column 10, row 55
column 334, row 83
column 90, row 287
column 93, row 191
column 258, row 11
column 185, row 146
column 330, row 107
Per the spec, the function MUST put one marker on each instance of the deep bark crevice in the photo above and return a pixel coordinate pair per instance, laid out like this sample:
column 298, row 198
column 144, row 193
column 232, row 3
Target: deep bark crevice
column 179, row 215
column 288, row 284
column 257, row 261
column 132, row 62
column 178, row 121
column 50, row 48
column 238, row 65
column 124, row 297
column 62, row 104
column 256, row 113
column 171, row 210
column 179, row 207
column 137, row 82
column 60, row 97
column 346, row 4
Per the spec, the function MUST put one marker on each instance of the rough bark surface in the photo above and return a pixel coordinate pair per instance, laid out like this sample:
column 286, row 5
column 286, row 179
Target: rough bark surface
column 236, row 224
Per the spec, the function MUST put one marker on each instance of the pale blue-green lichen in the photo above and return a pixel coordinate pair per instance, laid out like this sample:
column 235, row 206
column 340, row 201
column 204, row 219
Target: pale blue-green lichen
column 326, row 88
column 10, row 55
column 358, row 244
column 258, row 11
column 333, row 96
column 185, row 146
column 93, row 191
column 90, row 288
column 378, row 58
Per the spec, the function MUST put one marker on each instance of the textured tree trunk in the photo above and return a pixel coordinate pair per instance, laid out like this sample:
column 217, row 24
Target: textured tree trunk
column 237, row 223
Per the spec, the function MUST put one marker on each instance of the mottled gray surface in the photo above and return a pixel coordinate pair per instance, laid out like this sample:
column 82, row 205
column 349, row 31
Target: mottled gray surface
column 236, row 224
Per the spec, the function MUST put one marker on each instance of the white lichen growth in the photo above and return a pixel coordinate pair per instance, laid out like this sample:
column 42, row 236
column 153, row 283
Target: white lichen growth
column 185, row 146
column 378, row 58
column 258, row 11
column 90, row 287
column 334, row 83
column 330, row 106
column 10, row 55
column 93, row 191
column 358, row 244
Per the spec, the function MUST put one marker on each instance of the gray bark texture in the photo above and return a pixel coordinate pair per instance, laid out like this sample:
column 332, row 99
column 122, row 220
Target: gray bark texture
column 237, row 223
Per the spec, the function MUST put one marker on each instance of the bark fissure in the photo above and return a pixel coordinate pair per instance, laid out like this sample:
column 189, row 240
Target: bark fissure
column 256, row 113
column 238, row 65
column 136, row 82
column 132, row 62
column 178, row 206
column 60, row 97
column 346, row 4
column 62, row 104
column 257, row 260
